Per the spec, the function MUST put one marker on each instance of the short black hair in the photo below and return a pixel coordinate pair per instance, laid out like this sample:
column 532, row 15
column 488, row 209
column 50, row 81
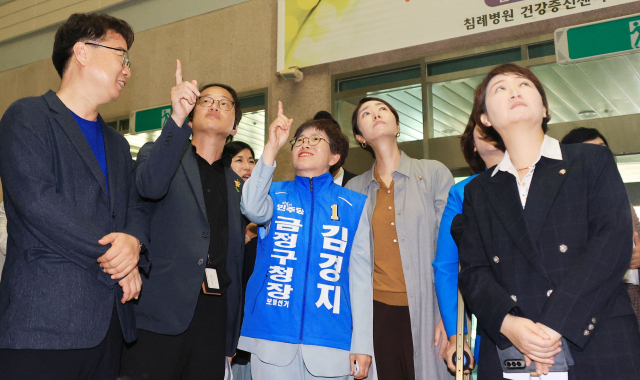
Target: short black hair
column 325, row 115
column 235, row 147
column 236, row 104
column 582, row 134
column 81, row 27
column 468, row 147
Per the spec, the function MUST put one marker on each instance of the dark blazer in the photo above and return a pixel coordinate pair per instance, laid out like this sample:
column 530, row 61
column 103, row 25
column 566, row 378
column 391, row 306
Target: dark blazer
column 560, row 261
column 168, row 179
column 53, row 293
column 347, row 177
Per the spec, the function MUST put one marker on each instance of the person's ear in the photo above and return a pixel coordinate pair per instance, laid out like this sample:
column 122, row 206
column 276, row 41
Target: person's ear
column 80, row 54
column 234, row 130
column 485, row 120
column 334, row 159
column 360, row 139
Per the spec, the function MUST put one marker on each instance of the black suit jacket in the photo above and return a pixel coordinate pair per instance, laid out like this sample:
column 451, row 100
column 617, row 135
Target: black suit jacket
column 347, row 177
column 560, row 261
column 53, row 293
column 168, row 179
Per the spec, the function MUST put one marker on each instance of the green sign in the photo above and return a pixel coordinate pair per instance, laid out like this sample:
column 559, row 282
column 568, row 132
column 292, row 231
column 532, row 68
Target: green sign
column 598, row 40
column 149, row 119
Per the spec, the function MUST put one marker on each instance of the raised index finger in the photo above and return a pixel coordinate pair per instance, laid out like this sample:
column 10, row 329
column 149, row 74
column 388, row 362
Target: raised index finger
column 178, row 72
column 280, row 108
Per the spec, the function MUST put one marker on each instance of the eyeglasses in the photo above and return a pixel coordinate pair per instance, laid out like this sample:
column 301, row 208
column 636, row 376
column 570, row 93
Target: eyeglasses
column 223, row 104
column 313, row 141
column 125, row 56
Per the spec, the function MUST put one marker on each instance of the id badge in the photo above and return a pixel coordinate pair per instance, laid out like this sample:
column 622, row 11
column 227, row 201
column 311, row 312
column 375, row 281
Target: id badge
column 210, row 285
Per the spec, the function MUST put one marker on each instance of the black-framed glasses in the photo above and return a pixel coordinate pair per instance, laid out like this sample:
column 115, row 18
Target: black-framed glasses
column 223, row 104
column 125, row 56
column 313, row 141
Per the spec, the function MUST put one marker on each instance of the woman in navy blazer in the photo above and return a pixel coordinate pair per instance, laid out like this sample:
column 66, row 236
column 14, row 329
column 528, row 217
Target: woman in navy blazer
column 546, row 241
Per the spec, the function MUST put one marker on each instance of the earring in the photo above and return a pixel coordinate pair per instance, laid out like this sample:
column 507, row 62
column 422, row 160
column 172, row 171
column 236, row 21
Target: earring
column 364, row 144
column 488, row 124
column 398, row 134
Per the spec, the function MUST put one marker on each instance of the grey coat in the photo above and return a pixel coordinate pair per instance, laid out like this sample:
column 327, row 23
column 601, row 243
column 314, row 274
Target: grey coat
column 421, row 188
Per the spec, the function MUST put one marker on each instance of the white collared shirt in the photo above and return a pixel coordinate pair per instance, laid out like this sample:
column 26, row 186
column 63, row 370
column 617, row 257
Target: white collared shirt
column 339, row 177
column 632, row 276
column 550, row 148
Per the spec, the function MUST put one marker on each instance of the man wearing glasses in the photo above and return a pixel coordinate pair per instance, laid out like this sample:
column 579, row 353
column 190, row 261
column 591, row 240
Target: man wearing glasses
column 75, row 220
column 188, row 317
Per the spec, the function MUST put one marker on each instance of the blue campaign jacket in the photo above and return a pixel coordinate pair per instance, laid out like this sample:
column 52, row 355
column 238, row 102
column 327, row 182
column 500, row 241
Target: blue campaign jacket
column 299, row 291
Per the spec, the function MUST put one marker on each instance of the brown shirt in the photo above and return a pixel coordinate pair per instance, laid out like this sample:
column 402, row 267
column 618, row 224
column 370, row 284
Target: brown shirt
column 388, row 277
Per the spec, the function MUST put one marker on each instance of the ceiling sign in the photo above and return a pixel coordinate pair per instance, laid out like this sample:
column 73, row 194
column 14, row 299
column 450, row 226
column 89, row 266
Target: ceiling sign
column 598, row 39
column 312, row 32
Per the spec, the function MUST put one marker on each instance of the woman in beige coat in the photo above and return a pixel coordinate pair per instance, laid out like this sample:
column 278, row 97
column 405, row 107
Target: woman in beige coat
column 406, row 200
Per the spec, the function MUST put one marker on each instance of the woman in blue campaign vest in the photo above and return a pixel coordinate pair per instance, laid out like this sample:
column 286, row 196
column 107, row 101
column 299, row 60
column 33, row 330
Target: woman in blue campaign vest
column 308, row 309
column 481, row 153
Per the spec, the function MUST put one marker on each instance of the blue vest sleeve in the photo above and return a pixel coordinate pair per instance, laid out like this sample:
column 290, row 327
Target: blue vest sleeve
column 256, row 204
column 445, row 265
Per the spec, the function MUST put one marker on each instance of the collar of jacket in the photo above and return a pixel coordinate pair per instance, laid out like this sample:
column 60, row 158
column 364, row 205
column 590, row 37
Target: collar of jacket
column 70, row 126
column 404, row 168
column 319, row 182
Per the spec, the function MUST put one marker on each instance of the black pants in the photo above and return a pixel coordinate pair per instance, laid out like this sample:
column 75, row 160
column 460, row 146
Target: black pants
column 98, row 363
column 392, row 342
column 197, row 353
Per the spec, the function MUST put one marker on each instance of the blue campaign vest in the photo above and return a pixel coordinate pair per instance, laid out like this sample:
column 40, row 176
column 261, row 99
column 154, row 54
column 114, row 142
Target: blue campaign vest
column 299, row 290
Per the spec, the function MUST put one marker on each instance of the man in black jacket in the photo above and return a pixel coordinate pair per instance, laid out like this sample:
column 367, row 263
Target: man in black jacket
column 189, row 314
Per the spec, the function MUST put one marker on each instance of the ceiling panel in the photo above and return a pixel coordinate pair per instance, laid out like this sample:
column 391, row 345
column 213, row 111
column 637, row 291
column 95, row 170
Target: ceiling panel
column 626, row 78
column 408, row 102
column 252, row 130
column 465, row 87
column 442, row 91
column 579, row 83
column 452, row 105
column 561, row 111
column 455, row 127
column 138, row 140
column 586, row 90
column 604, row 79
column 558, row 85
column 450, row 109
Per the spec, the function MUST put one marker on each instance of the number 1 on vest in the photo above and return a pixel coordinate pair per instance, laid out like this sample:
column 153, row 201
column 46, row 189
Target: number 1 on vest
column 334, row 212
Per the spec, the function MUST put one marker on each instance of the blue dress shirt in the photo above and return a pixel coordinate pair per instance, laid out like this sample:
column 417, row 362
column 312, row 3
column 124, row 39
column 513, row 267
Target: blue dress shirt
column 92, row 131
